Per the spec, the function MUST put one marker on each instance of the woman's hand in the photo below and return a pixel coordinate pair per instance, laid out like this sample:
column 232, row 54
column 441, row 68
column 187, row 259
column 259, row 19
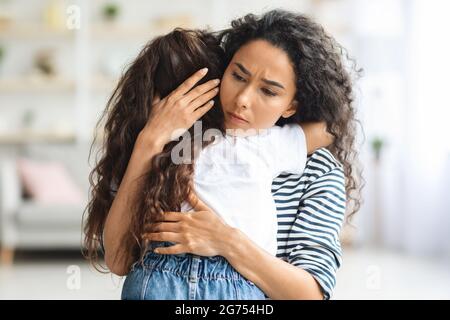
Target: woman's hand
column 201, row 232
column 180, row 109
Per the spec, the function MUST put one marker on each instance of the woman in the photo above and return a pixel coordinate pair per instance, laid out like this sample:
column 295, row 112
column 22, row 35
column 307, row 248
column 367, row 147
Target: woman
column 308, row 241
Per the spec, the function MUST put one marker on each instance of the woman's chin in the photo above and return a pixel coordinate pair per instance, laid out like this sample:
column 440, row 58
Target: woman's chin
column 233, row 126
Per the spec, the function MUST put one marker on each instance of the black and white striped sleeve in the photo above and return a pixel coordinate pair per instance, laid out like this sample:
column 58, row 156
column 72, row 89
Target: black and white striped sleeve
column 310, row 218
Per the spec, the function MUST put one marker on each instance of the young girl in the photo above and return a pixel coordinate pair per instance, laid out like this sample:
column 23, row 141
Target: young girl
column 232, row 168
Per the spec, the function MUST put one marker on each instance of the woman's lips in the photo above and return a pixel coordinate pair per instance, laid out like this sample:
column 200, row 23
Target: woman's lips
column 235, row 118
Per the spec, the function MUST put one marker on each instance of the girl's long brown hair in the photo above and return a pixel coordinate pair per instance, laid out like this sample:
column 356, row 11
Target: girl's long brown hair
column 161, row 66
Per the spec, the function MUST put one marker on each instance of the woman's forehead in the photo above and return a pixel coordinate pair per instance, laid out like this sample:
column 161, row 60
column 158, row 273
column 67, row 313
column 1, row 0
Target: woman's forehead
column 261, row 57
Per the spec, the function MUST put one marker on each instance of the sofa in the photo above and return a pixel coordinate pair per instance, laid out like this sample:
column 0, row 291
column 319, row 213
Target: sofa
column 29, row 224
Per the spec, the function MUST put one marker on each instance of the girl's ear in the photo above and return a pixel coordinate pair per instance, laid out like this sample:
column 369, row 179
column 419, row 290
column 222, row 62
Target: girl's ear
column 291, row 110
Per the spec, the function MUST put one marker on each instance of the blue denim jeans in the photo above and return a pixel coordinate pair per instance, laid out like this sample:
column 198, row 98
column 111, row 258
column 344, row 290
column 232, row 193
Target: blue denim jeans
column 186, row 277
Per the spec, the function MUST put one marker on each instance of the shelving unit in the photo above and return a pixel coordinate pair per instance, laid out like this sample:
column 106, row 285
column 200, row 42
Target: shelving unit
column 84, row 86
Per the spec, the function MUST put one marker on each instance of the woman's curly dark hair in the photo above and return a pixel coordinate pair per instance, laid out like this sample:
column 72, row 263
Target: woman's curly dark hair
column 324, row 83
column 161, row 66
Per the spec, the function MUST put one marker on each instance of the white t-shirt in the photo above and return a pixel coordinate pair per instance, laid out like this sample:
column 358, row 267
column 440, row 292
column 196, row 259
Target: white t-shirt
column 234, row 175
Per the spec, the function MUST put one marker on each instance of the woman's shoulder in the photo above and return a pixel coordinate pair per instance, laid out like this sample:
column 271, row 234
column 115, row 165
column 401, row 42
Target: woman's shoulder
column 323, row 166
column 320, row 166
column 323, row 159
column 318, row 163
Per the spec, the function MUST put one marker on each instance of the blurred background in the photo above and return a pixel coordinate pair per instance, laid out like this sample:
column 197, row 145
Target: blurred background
column 60, row 60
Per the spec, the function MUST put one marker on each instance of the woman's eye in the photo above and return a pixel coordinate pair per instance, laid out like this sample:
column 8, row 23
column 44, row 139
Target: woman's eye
column 267, row 92
column 238, row 77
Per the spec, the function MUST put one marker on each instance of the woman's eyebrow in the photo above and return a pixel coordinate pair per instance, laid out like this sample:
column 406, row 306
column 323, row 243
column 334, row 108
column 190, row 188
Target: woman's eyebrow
column 248, row 73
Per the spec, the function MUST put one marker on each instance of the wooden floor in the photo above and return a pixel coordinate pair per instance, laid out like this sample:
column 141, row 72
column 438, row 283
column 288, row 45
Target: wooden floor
column 366, row 274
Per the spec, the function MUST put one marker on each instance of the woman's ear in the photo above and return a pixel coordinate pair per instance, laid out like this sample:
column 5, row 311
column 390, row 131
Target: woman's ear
column 291, row 110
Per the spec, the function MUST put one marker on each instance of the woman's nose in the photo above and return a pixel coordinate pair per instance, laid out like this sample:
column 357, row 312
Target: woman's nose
column 243, row 100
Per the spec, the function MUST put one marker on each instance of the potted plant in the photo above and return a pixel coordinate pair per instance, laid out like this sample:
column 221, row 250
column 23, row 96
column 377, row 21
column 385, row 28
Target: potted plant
column 110, row 11
column 44, row 63
column 377, row 146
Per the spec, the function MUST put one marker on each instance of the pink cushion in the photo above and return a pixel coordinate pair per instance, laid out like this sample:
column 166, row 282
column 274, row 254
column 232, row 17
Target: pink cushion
column 48, row 182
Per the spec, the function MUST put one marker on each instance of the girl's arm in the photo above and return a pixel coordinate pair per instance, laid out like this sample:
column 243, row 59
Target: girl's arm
column 316, row 136
column 117, row 258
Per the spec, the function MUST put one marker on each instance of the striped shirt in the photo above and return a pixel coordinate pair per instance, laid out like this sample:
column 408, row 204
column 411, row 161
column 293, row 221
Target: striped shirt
column 310, row 211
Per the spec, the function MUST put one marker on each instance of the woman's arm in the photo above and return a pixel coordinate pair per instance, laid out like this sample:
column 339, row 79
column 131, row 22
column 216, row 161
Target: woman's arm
column 309, row 272
column 180, row 109
column 204, row 233
column 278, row 279
column 312, row 244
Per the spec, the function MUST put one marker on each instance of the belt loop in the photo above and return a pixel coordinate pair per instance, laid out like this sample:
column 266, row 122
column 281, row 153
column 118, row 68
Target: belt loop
column 193, row 274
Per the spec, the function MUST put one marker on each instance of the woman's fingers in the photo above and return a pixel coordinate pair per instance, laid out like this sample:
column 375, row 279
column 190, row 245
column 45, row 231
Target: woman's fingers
column 203, row 109
column 173, row 216
column 163, row 227
column 156, row 100
column 163, row 236
column 204, row 98
column 188, row 84
column 201, row 90
column 175, row 249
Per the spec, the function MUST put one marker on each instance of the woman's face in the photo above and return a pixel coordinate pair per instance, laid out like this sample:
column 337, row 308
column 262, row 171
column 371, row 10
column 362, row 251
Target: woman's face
column 258, row 87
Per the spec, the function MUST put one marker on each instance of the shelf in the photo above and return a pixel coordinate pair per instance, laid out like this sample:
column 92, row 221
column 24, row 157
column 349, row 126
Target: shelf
column 36, row 84
column 97, row 31
column 26, row 137
column 102, row 84
column 42, row 84
column 114, row 31
column 34, row 31
column 106, row 31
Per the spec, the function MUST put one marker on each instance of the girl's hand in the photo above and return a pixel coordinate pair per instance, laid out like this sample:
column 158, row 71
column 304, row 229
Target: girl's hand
column 201, row 232
column 180, row 109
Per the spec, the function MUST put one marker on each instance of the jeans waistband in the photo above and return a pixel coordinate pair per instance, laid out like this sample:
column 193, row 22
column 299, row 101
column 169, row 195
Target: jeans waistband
column 214, row 267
